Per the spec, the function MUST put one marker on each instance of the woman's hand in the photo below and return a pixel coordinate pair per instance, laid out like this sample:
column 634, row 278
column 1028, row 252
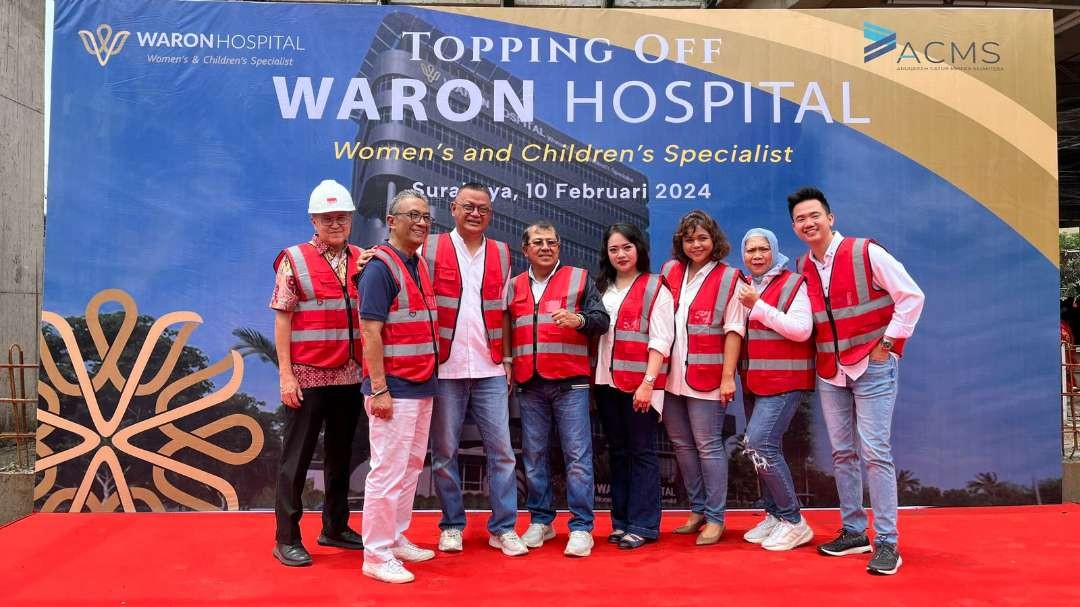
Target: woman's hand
column 727, row 389
column 748, row 296
column 643, row 397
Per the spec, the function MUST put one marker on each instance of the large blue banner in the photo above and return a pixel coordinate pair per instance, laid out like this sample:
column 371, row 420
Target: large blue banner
column 186, row 136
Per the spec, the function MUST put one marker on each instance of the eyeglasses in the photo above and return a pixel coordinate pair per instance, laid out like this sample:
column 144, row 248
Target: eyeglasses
column 416, row 216
column 470, row 208
column 539, row 243
column 329, row 221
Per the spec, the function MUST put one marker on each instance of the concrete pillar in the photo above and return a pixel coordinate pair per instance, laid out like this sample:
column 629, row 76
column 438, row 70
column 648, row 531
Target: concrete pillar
column 22, row 150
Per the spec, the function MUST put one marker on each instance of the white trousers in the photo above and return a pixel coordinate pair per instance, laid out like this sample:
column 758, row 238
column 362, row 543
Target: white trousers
column 398, row 447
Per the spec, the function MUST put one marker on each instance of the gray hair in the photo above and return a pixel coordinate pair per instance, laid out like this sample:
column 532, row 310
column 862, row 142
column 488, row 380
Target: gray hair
column 403, row 195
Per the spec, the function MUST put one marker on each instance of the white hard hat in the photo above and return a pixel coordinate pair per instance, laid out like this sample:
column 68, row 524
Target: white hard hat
column 329, row 197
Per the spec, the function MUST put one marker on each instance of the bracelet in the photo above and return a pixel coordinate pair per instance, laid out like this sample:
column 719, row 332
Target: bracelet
column 508, row 360
column 385, row 390
column 582, row 317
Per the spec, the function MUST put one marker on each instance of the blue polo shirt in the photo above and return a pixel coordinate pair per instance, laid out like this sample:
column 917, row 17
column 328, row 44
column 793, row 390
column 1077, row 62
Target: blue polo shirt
column 377, row 292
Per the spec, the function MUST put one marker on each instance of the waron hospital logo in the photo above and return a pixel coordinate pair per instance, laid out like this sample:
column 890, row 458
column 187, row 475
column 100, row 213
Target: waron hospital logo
column 104, row 43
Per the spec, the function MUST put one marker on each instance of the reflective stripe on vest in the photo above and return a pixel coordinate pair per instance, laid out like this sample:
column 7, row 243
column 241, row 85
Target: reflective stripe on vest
column 630, row 343
column 705, row 324
column 771, row 363
column 325, row 311
column 442, row 263
column 539, row 346
column 860, row 313
column 409, row 331
column 301, row 272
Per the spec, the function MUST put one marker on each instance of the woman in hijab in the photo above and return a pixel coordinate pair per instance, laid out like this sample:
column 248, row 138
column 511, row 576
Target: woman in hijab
column 778, row 374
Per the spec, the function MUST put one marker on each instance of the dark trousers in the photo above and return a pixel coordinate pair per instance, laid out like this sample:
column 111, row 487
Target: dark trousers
column 635, row 469
column 338, row 408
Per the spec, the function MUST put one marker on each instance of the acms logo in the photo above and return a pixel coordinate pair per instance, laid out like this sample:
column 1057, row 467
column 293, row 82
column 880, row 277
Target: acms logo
column 881, row 40
column 105, row 45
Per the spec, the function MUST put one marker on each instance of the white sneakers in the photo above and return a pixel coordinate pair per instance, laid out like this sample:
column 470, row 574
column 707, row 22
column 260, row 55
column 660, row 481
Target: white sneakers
column 391, row 572
column 786, row 536
column 580, row 543
column 410, row 552
column 450, row 540
column 537, row 534
column 509, row 543
column 762, row 531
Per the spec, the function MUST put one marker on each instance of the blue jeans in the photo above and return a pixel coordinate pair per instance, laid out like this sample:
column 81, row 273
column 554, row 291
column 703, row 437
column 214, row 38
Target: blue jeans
column 859, row 421
column 695, row 427
column 486, row 399
column 542, row 404
column 635, row 468
column 770, row 418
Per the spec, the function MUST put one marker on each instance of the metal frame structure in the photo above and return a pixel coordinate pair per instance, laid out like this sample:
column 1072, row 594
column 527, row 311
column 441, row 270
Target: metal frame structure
column 22, row 435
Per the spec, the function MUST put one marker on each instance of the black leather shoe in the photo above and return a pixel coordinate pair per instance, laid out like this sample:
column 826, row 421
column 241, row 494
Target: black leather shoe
column 347, row 539
column 292, row 555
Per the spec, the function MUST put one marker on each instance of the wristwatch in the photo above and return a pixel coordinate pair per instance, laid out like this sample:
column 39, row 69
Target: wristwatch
column 649, row 379
column 886, row 344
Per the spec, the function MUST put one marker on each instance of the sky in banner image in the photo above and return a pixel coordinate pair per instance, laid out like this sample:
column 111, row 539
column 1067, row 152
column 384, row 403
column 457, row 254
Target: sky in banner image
column 181, row 158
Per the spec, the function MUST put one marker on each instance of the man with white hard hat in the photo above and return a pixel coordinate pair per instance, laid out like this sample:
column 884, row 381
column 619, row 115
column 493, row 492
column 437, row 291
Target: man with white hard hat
column 319, row 358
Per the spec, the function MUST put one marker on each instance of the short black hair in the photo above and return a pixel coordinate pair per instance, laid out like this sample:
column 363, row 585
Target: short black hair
column 543, row 224
column 804, row 194
column 476, row 187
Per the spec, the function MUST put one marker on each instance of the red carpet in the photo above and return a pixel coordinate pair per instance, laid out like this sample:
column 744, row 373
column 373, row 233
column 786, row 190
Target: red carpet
column 963, row 556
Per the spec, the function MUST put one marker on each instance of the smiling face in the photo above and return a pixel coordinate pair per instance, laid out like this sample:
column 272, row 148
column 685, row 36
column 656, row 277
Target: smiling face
column 812, row 223
column 542, row 249
column 407, row 232
column 333, row 228
column 622, row 254
column 757, row 255
column 698, row 246
column 471, row 210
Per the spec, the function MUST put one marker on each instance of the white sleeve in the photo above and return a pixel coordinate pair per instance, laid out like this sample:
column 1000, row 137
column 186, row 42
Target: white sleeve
column 890, row 274
column 662, row 323
column 797, row 324
column 735, row 315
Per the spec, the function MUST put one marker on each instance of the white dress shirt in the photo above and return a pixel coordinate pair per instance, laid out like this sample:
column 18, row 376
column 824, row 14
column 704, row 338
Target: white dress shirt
column 734, row 321
column 538, row 286
column 890, row 275
column 661, row 334
column 470, row 353
column 797, row 324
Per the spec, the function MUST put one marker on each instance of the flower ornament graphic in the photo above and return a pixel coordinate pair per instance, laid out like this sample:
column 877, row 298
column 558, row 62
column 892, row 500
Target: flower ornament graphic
column 112, row 438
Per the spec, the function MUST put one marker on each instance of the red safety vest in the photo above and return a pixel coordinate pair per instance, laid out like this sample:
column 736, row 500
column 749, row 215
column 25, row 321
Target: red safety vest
column 408, row 333
column 771, row 363
column 323, row 323
column 630, row 347
column 704, row 322
column 540, row 347
column 852, row 319
column 443, row 268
